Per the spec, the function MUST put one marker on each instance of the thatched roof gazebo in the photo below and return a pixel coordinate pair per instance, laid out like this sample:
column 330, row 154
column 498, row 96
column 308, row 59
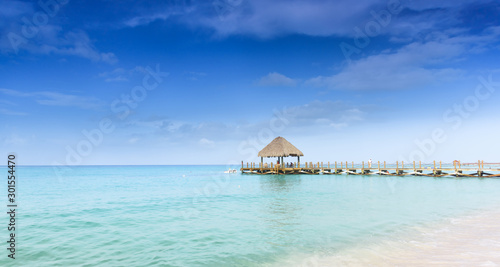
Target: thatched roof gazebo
column 280, row 148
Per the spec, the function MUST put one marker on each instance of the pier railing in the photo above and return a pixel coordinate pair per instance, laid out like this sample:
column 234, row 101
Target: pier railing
column 399, row 168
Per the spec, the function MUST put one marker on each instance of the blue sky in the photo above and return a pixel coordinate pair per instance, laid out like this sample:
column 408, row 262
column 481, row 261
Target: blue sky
column 387, row 80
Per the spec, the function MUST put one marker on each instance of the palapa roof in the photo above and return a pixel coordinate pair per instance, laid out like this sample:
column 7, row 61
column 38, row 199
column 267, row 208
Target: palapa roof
column 280, row 147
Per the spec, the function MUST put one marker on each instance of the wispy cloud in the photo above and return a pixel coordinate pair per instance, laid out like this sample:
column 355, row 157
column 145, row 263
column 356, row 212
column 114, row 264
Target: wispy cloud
column 15, row 139
column 149, row 13
column 13, row 92
column 56, row 99
column 10, row 112
column 146, row 19
column 44, row 38
column 262, row 18
column 194, row 75
column 204, row 142
column 276, row 79
column 323, row 116
column 268, row 19
column 414, row 65
column 336, row 114
column 9, row 108
column 133, row 140
column 15, row 8
column 75, row 43
column 121, row 74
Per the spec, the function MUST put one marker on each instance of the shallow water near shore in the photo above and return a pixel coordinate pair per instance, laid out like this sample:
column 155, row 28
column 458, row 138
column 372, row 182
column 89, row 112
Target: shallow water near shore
column 200, row 216
column 467, row 240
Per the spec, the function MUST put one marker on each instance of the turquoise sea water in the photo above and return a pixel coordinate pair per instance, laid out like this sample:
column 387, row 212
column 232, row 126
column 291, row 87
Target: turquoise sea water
column 199, row 216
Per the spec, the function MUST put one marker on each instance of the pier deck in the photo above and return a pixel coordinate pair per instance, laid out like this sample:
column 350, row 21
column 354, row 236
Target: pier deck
column 455, row 169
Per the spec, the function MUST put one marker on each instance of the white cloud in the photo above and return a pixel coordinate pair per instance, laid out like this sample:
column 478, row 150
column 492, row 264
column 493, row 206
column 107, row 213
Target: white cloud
column 50, row 39
column 7, row 108
column 133, row 140
column 116, row 75
column 159, row 10
column 206, row 143
column 119, row 78
column 56, row 99
column 194, row 76
column 15, row 8
column 336, row 114
column 121, row 74
column 267, row 19
column 15, row 139
column 338, row 125
column 322, row 116
column 10, row 112
column 77, row 43
column 264, row 18
column 276, row 79
column 273, row 18
column 412, row 66
column 145, row 19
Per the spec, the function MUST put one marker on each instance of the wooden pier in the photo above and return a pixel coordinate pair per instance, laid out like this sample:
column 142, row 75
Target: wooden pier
column 435, row 169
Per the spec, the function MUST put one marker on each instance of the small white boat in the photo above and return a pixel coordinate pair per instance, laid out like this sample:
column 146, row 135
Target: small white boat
column 230, row 171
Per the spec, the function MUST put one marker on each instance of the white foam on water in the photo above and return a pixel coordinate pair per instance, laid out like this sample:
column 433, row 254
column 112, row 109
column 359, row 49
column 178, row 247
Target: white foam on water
column 472, row 240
